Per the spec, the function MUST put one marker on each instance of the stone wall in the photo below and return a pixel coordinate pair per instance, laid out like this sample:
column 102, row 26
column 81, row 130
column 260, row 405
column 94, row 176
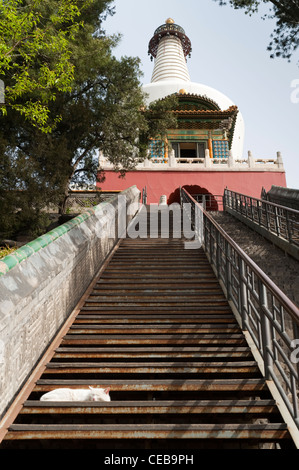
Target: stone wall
column 41, row 283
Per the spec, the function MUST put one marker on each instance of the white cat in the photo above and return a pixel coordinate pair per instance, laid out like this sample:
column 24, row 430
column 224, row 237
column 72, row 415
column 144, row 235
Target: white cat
column 69, row 394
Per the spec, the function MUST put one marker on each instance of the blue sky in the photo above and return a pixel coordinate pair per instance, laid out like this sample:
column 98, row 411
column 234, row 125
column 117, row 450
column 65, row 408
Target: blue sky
column 229, row 53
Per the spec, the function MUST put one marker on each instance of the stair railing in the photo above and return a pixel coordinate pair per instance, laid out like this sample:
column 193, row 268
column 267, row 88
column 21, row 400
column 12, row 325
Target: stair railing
column 278, row 223
column 268, row 318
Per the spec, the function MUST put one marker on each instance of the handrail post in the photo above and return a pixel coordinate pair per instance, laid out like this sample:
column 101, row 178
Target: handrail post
column 277, row 224
column 267, row 216
column 251, row 209
column 241, row 205
column 211, row 241
column 243, row 294
column 217, row 253
column 246, row 206
column 224, row 200
column 227, row 270
column 265, row 331
column 289, row 231
column 259, row 211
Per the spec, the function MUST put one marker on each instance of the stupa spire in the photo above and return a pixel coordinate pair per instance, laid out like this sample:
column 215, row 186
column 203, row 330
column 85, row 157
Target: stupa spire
column 169, row 47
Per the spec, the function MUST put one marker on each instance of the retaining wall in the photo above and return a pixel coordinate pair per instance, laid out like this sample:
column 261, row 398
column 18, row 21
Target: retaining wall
column 41, row 283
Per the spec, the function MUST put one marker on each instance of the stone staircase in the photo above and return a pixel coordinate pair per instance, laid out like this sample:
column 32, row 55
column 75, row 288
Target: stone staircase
column 157, row 329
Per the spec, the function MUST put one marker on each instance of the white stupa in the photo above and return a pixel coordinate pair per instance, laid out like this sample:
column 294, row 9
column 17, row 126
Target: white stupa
column 169, row 47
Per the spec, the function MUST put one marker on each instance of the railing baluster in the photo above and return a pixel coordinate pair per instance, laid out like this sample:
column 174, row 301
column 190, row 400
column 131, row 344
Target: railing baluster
column 277, row 221
column 243, row 294
column 266, row 330
column 288, row 228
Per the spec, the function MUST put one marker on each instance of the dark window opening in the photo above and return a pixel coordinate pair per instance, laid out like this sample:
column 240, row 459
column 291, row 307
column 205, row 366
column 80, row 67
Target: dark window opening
column 189, row 149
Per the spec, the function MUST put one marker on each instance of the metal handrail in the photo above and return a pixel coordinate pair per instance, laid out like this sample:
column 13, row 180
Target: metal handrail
column 281, row 221
column 263, row 310
column 226, row 191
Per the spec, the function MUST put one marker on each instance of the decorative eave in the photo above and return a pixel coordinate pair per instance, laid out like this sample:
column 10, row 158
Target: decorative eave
column 204, row 113
column 209, row 119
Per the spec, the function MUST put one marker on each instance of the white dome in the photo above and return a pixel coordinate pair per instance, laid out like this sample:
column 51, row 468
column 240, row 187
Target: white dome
column 163, row 88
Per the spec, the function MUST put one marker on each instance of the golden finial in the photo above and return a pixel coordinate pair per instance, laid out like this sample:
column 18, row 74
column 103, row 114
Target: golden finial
column 183, row 91
column 169, row 21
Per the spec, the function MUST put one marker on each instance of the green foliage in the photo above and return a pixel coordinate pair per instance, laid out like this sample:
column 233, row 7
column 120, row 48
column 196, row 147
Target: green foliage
column 6, row 250
column 101, row 108
column 35, row 55
column 159, row 118
column 22, row 195
column 285, row 37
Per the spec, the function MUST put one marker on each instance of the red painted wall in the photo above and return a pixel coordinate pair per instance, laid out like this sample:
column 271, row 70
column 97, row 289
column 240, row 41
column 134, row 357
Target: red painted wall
column 159, row 183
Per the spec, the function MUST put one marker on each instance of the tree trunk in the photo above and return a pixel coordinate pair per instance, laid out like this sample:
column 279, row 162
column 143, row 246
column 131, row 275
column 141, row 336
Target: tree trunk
column 64, row 199
column 63, row 204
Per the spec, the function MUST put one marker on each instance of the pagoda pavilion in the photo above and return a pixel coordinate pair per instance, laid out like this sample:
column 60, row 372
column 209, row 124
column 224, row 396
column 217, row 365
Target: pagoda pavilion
column 205, row 151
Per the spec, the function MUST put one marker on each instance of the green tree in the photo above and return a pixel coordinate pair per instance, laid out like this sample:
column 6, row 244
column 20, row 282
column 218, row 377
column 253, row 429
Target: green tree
column 285, row 38
column 107, row 114
column 35, row 53
column 104, row 111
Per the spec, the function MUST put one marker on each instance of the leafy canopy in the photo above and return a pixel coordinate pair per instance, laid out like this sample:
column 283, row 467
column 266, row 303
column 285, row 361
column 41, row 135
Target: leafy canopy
column 35, row 55
column 101, row 108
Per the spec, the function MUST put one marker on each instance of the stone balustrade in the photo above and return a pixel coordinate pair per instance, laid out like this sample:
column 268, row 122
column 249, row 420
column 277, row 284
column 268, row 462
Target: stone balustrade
column 207, row 163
